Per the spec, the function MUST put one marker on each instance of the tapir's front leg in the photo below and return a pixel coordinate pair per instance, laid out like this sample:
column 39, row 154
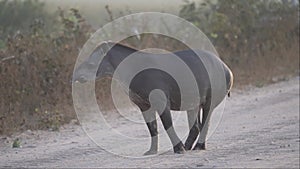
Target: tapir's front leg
column 150, row 119
column 166, row 119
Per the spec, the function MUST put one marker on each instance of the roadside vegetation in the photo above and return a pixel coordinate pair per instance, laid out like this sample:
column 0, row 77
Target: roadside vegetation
column 258, row 39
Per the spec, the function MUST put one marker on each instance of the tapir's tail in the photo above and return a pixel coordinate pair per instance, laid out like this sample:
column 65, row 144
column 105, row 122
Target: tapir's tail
column 229, row 79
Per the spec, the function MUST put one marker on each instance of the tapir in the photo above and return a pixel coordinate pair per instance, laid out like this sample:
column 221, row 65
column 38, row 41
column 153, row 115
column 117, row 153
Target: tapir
column 213, row 78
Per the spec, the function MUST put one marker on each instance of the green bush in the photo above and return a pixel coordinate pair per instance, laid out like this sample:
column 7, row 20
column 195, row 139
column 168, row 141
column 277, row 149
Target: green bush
column 19, row 15
column 259, row 39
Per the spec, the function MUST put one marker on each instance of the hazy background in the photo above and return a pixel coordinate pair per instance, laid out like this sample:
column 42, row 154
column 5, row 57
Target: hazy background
column 40, row 41
column 95, row 13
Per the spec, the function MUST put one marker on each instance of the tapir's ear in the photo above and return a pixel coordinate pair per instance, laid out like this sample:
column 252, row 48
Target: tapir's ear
column 107, row 45
column 122, row 46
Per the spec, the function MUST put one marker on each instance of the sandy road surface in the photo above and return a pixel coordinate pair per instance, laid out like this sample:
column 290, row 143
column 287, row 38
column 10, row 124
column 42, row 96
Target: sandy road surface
column 259, row 128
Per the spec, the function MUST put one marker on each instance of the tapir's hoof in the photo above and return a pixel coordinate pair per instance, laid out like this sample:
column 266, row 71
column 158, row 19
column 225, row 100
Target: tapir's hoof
column 150, row 152
column 179, row 148
column 188, row 146
column 199, row 146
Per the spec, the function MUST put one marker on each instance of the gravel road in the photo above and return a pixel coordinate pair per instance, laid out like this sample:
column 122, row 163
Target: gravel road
column 259, row 128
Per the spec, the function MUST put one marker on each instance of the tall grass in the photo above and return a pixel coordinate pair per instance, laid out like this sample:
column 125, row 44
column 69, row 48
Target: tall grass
column 35, row 73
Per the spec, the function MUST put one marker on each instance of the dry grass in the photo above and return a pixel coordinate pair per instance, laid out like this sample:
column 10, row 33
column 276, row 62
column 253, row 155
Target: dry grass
column 36, row 69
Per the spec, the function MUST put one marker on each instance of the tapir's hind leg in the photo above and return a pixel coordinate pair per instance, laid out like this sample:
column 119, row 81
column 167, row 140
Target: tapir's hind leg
column 166, row 119
column 193, row 120
column 203, row 128
column 150, row 119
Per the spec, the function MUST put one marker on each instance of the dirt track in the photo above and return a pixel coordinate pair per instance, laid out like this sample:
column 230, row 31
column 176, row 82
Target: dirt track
column 259, row 128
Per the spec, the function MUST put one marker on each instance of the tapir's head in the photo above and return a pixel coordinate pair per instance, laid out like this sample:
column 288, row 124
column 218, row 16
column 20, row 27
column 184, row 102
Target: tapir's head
column 91, row 68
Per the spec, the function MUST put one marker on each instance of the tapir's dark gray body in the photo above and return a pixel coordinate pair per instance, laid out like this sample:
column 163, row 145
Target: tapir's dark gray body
column 148, row 80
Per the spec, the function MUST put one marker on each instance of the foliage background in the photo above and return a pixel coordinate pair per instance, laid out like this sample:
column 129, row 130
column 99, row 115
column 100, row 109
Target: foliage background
column 258, row 39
